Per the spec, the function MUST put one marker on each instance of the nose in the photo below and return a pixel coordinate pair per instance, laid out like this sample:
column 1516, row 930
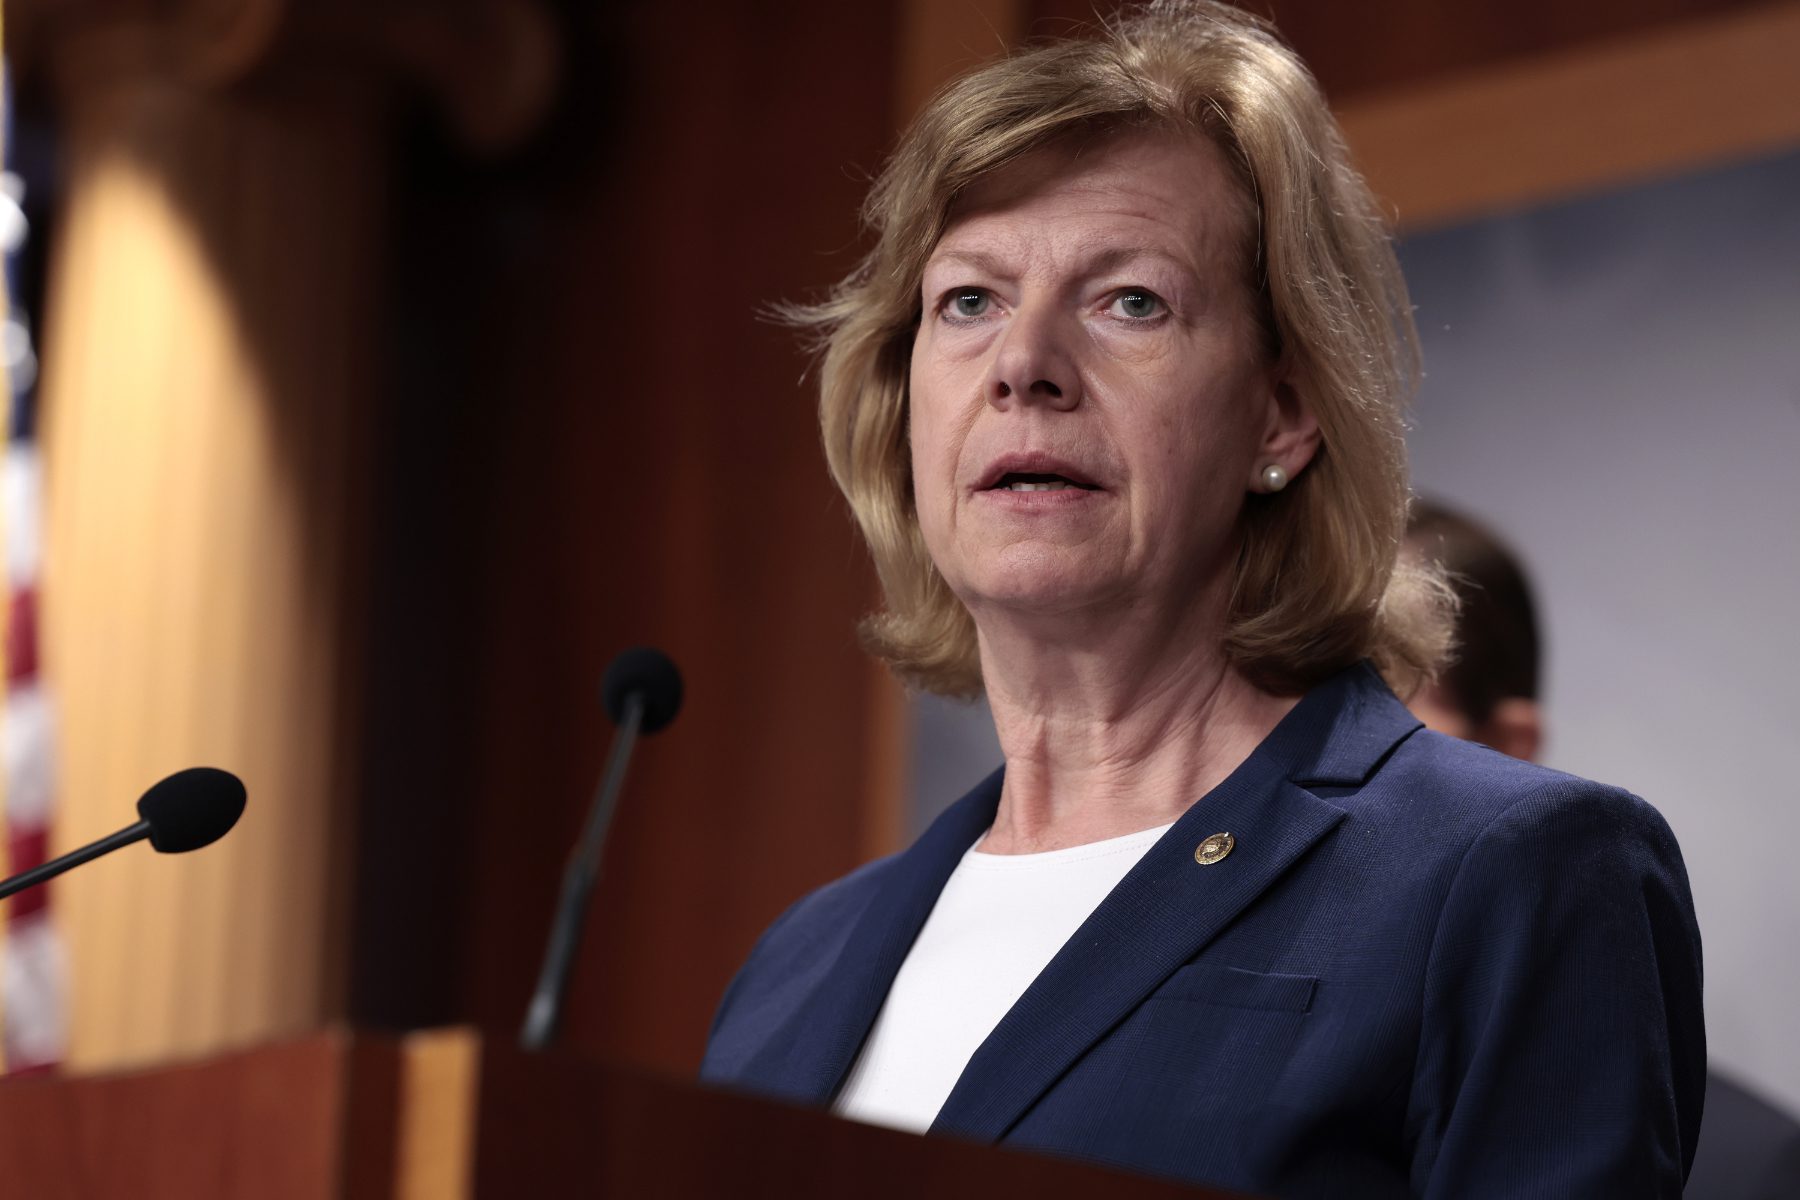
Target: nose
column 1032, row 364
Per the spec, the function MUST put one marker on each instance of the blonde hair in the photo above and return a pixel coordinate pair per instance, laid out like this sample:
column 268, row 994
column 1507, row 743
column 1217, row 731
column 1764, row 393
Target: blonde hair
column 1317, row 585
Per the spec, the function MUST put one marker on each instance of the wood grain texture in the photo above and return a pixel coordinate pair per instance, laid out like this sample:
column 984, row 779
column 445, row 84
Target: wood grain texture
column 1453, row 111
column 606, row 443
column 440, row 1078
column 316, row 1118
column 206, row 352
column 266, row 1123
column 943, row 39
column 1677, row 99
column 560, row 1126
column 1354, row 49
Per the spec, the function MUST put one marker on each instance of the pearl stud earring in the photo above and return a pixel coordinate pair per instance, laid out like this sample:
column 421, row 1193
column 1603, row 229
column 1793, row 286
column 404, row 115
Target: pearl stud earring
column 1274, row 477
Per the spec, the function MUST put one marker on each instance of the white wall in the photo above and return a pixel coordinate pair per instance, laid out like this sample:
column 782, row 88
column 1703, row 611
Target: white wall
column 1614, row 384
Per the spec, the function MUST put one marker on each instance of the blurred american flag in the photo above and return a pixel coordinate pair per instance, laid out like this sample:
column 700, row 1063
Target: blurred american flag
column 32, row 971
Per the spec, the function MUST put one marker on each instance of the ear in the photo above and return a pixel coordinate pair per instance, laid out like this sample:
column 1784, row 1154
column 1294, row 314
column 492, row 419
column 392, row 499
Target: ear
column 1290, row 436
column 1515, row 727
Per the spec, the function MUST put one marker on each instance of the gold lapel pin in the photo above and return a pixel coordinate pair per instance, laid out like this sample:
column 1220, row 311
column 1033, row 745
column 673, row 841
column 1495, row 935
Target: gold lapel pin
column 1214, row 848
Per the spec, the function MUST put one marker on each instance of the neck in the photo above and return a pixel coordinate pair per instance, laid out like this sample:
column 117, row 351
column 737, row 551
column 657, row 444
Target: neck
column 1113, row 728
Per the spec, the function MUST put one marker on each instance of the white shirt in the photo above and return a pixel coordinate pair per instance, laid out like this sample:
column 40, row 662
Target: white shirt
column 998, row 922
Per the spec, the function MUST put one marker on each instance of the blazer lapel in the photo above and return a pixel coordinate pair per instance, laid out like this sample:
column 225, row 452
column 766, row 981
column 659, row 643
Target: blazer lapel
column 1169, row 907
column 809, row 1059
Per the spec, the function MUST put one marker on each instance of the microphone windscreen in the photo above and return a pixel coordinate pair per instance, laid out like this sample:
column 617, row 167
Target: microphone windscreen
column 649, row 672
column 192, row 808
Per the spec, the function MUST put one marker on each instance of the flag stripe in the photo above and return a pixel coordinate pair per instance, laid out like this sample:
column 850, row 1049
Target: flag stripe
column 33, row 973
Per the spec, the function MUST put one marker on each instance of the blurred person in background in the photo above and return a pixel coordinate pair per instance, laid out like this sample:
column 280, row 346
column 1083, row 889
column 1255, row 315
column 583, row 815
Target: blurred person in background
column 1116, row 402
column 1749, row 1149
column 1488, row 691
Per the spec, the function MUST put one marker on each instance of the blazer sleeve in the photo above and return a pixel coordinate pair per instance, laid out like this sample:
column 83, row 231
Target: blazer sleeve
column 1562, row 1050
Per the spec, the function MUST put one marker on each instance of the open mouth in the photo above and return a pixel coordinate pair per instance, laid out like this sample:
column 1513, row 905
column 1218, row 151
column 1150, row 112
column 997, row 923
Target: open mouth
column 1025, row 481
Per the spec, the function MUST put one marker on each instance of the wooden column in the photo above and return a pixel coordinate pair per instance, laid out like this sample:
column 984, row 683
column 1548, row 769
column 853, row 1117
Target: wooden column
column 207, row 361
column 210, row 373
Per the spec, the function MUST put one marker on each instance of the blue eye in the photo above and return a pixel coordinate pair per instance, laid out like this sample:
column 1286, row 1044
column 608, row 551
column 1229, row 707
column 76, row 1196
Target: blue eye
column 1137, row 304
column 969, row 302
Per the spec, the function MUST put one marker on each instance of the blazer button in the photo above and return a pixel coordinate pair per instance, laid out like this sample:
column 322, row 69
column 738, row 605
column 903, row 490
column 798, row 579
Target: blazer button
column 1214, row 848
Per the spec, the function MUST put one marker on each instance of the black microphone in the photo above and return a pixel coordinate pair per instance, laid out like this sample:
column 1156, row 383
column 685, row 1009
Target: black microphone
column 642, row 693
column 188, row 810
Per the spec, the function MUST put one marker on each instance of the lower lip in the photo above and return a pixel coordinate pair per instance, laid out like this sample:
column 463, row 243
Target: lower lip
column 1059, row 500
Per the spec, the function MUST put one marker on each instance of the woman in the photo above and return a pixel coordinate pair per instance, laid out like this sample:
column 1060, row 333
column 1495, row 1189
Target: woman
column 1115, row 400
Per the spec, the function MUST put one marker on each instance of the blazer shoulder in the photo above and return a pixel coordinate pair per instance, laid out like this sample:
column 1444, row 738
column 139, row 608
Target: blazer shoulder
column 1565, row 946
column 1474, row 790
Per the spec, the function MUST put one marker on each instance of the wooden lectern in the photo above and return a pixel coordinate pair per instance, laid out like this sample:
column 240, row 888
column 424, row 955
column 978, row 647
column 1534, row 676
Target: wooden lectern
column 441, row 1115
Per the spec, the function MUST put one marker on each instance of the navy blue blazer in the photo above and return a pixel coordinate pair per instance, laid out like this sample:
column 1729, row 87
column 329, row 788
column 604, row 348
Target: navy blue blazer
column 1425, row 969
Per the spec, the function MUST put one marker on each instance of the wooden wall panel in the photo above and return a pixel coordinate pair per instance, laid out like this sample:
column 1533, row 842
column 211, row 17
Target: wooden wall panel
column 203, row 472
column 1457, row 110
column 624, row 451
column 1677, row 98
column 1358, row 48
column 696, row 513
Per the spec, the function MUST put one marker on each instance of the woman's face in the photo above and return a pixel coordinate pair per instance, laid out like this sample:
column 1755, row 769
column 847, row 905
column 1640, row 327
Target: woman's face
column 1089, row 400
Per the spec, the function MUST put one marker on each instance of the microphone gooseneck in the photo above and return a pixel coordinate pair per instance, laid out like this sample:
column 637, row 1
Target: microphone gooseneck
column 188, row 810
column 641, row 692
